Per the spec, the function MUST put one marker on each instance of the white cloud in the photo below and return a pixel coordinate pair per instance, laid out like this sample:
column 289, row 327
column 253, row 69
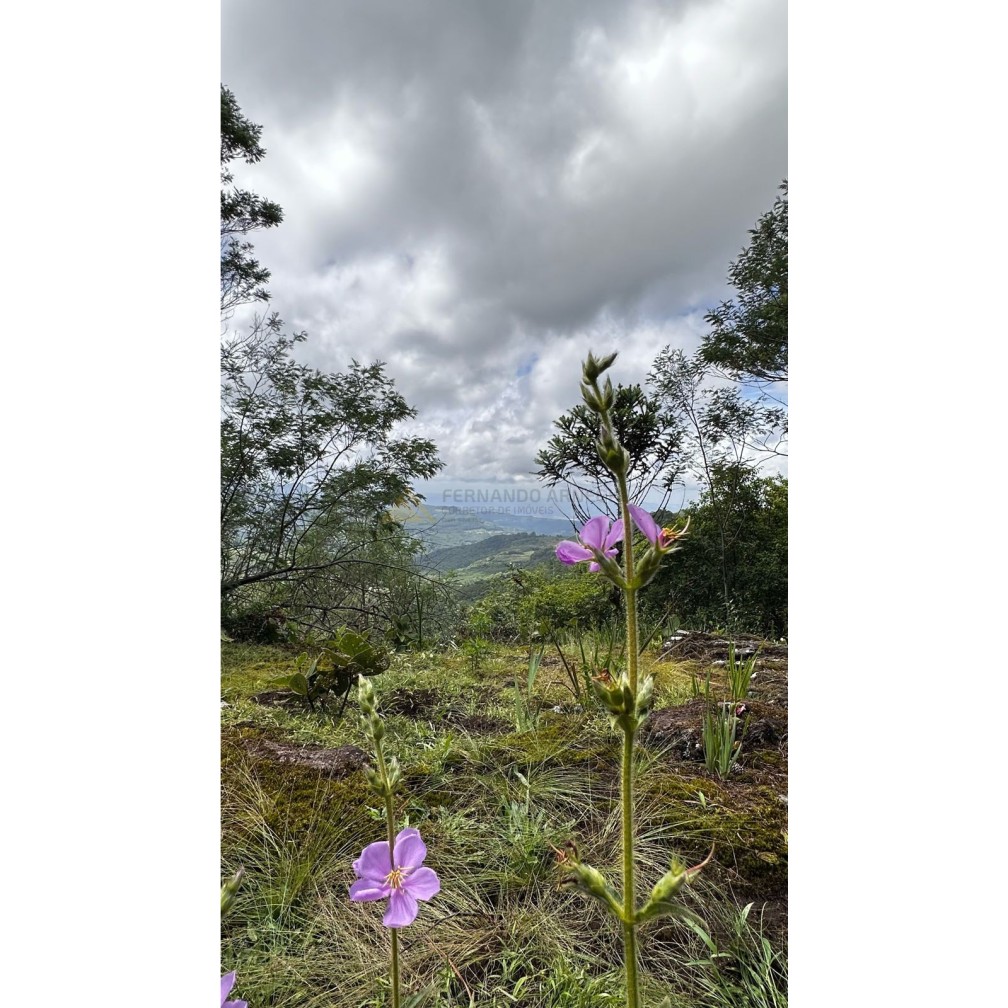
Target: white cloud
column 479, row 193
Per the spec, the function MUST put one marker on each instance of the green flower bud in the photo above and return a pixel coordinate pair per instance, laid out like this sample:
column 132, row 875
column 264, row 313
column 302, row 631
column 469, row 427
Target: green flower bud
column 645, row 697
column 593, row 883
column 591, row 398
column 230, row 890
column 394, row 774
column 662, row 901
column 365, row 695
column 611, row 692
column 593, row 367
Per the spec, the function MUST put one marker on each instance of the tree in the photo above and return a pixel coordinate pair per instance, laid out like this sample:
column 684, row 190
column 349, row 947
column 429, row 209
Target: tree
column 748, row 338
column 648, row 431
column 310, row 463
column 306, row 459
column 242, row 276
column 756, row 554
column 726, row 438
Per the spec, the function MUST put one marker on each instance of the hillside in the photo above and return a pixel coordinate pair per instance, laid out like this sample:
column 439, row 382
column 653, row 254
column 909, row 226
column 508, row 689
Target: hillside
column 493, row 555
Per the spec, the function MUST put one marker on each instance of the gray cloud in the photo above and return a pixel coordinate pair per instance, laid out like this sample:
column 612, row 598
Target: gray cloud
column 479, row 192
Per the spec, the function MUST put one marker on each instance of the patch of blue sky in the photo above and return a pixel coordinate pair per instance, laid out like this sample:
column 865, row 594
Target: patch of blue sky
column 525, row 367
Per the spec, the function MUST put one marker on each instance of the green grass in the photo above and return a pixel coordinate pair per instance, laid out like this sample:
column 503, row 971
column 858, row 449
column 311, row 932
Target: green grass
column 492, row 803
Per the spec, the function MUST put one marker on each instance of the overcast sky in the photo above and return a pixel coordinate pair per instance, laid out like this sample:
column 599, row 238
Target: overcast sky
column 478, row 191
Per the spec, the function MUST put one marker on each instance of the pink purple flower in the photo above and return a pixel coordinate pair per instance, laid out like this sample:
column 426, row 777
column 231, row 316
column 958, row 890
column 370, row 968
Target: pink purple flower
column 401, row 879
column 226, row 983
column 595, row 537
column 660, row 538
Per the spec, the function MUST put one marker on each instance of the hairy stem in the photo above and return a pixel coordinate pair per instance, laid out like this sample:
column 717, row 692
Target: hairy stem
column 626, row 775
column 390, row 823
column 629, row 730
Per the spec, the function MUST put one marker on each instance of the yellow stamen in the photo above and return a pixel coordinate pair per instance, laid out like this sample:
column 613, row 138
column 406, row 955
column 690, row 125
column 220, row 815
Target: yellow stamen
column 395, row 878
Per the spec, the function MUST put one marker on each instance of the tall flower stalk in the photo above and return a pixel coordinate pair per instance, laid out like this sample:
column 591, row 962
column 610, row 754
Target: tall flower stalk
column 626, row 698
column 391, row 869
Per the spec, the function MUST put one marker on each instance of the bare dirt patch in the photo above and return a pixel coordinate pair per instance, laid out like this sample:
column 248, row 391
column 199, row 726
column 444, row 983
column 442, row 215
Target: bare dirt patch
column 337, row 763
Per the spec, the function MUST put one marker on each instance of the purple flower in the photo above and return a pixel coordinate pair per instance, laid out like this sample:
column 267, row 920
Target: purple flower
column 660, row 538
column 401, row 883
column 596, row 536
column 226, row 983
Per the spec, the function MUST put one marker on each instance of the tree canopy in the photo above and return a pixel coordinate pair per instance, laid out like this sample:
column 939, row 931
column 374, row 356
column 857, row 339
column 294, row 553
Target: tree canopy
column 748, row 337
column 650, row 434
column 242, row 276
column 311, row 461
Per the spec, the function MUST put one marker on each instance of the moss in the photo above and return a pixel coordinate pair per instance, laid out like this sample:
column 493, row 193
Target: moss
column 559, row 740
column 247, row 669
column 293, row 802
column 747, row 825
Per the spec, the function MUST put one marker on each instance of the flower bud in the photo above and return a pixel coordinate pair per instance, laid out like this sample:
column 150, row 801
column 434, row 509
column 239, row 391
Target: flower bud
column 593, row 883
column 394, row 774
column 230, row 890
column 610, row 692
column 365, row 695
column 662, row 902
column 591, row 398
column 592, row 367
column 645, row 697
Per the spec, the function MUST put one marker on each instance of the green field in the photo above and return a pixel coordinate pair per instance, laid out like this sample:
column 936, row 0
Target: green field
column 493, row 803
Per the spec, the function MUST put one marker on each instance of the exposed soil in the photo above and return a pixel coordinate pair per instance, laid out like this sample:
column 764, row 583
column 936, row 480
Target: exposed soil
column 427, row 704
column 280, row 698
column 711, row 648
column 681, row 728
column 337, row 763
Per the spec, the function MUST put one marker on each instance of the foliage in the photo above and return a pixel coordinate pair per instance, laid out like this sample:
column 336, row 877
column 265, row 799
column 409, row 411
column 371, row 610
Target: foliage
column 524, row 603
column 296, row 940
column 748, row 337
column 242, row 277
column 722, row 741
column 643, row 426
column 741, row 546
column 526, row 710
column 327, row 676
column 309, row 464
column 748, row 972
column 739, row 673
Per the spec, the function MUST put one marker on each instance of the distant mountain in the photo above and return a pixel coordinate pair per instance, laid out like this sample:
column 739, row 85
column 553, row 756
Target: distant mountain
column 493, row 555
column 439, row 527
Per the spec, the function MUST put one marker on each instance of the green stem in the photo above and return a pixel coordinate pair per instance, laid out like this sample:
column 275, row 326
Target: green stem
column 390, row 823
column 629, row 730
column 629, row 928
column 626, row 775
column 395, row 968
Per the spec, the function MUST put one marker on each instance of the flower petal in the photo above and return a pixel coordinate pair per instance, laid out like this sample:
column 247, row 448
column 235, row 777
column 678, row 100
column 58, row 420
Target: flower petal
column 226, row 983
column 235, row 1004
column 402, row 909
column 594, row 532
column 643, row 520
column 410, row 850
column 594, row 567
column 374, row 862
column 571, row 552
column 615, row 536
column 365, row 889
column 422, row 883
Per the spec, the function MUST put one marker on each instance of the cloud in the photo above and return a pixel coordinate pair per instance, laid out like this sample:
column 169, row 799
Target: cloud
column 478, row 193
